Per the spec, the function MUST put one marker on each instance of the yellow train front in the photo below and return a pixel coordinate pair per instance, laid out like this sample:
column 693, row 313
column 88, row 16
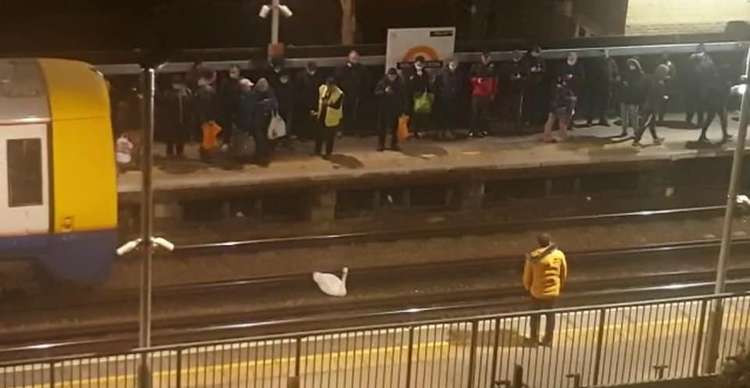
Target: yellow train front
column 58, row 205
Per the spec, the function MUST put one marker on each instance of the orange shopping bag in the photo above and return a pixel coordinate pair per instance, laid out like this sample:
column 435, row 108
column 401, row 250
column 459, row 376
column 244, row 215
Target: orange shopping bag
column 211, row 131
column 403, row 128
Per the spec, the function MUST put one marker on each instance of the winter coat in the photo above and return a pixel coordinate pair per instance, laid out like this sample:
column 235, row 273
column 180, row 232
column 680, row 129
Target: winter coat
column 575, row 76
column 391, row 97
column 535, row 70
column 246, row 110
column 563, row 97
column 265, row 106
column 229, row 93
column 545, row 272
column 330, row 112
column 656, row 88
column 484, row 81
column 354, row 80
column 450, row 85
column 634, row 87
column 206, row 104
column 419, row 83
column 307, row 86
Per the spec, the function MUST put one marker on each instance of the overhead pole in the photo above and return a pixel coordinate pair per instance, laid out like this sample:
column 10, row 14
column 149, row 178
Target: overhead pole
column 716, row 316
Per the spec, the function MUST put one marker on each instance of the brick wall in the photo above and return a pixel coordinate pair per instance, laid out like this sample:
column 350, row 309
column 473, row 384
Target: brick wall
column 646, row 17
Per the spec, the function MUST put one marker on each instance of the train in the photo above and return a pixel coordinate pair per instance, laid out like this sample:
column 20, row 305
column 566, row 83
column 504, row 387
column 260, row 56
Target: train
column 58, row 203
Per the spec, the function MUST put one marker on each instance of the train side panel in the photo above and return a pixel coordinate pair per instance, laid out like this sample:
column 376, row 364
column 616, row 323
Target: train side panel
column 84, row 195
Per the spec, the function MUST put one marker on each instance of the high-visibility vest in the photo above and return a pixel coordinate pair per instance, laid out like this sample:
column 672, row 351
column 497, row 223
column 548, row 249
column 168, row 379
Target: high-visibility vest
column 333, row 115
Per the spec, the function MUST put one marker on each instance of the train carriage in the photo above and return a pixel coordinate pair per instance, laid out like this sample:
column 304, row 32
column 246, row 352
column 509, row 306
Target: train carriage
column 58, row 196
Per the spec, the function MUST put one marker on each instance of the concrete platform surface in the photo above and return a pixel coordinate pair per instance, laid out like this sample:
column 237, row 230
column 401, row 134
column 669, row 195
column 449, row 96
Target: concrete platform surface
column 357, row 158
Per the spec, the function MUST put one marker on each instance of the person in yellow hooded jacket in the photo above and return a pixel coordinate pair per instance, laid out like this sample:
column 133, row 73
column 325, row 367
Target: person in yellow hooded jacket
column 544, row 274
column 329, row 115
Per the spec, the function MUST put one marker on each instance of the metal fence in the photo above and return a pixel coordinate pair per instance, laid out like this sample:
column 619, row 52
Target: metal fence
column 593, row 346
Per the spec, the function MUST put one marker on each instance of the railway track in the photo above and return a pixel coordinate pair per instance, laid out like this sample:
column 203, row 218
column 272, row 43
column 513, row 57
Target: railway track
column 123, row 335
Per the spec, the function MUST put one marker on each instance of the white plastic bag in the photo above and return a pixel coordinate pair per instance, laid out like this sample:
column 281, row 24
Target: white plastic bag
column 276, row 128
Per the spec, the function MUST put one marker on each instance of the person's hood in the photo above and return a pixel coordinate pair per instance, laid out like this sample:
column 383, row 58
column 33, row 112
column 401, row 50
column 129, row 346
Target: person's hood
column 661, row 72
column 633, row 61
column 542, row 254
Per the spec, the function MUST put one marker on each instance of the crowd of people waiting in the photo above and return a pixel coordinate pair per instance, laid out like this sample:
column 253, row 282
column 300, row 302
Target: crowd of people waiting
column 225, row 112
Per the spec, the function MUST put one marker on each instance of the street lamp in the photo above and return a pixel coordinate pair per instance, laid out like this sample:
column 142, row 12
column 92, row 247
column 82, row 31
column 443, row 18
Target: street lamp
column 275, row 9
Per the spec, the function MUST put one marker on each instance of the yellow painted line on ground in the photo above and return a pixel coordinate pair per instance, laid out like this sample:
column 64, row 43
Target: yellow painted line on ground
column 280, row 364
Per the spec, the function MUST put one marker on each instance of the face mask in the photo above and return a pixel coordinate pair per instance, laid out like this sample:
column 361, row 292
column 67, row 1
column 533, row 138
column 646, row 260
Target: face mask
column 536, row 54
column 572, row 62
column 178, row 86
column 284, row 80
column 392, row 78
column 632, row 68
column 452, row 66
column 419, row 67
column 234, row 74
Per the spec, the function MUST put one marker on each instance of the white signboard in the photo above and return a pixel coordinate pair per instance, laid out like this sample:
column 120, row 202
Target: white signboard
column 406, row 44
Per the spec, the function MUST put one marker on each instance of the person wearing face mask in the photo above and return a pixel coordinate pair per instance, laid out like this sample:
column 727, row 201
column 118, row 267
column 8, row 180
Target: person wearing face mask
column 329, row 115
column 354, row 81
column 515, row 78
column 599, row 87
column 450, row 88
column 483, row 92
column 561, row 110
column 307, row 85
column 266, row 106
column 670, row 81
column 573, row 71
column 633, row 95
column 175, row 114
column 419, row 84
column 535, row 105
column 391, row 99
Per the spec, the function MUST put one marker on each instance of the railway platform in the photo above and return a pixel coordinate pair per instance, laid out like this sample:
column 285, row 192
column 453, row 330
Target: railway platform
column 606, row 345
column 357, row 159
column 468, row 166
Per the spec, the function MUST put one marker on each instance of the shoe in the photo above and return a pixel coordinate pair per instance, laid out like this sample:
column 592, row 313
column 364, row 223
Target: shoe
column 603, row 123
column 483, row 134
column 326, row 157
column 623, row 134
column 396, row 148
column 636, row 143
column 549, row 140
column 703, row 140
column 381, row 149
column 726, row 139
column 659, row 141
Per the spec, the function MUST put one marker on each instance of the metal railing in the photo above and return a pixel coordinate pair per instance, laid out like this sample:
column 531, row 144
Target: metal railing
column 601, row 345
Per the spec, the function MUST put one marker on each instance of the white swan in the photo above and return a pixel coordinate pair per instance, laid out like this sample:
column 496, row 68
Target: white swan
column 331, row 284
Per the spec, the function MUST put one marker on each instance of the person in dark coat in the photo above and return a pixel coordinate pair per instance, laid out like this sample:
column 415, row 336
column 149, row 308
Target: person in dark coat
column 573, row 71
column 229, row 93
column 515, row 74
column 535, row 104
column 418, row 84
column 246, row 107
column 655, row 89
column 285, row 95
column 670, row 85
column 266, row 106
column 599, row 78
column 693, row 91
column 354, row 81
column 714, row 92
column 633, row 95
column 307, row 85
column 450, row 89
column 391, row 98
column 561, row 109
column 176, row 116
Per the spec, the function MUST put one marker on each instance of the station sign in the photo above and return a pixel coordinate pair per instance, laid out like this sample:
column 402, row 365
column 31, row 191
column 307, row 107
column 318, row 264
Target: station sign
column 435, row 45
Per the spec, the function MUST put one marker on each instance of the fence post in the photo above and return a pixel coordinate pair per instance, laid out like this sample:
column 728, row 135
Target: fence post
column 599, row 345
column 179, row 368
column 52, row 374
column 409, row 356
column 473, row 354
column 495, row 349
column 699, row 343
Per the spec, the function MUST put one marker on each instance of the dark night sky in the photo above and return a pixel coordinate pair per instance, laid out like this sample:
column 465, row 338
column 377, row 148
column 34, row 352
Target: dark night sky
column 63, row 25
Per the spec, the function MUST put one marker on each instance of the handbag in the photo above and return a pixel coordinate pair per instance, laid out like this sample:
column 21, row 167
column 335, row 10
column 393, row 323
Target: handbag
column 423, row 103
column 403, row 128
column 276, row 128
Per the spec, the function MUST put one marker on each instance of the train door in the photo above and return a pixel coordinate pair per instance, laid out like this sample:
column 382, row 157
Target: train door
column 24, row 191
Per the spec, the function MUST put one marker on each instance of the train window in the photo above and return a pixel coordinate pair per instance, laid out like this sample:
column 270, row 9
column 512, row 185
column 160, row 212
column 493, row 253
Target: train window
column 24, row 172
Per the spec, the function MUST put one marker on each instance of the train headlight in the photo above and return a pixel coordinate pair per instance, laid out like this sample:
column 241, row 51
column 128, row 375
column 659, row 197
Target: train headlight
column 67, row 224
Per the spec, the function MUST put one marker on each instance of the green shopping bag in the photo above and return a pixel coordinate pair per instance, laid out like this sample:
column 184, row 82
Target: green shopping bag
column 423, row 103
